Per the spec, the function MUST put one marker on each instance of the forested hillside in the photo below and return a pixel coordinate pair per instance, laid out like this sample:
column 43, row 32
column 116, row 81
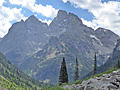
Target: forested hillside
column 12, row 78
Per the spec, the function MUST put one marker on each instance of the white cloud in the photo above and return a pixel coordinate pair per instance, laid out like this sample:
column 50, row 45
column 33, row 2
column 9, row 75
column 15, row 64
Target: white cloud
column 86, row 4
column 64, row 1
column 107, row 14
column 46, row 21
column 6, row 16
column 89, row 23
column 1, row 2
column 47, row 10
column 23, row 2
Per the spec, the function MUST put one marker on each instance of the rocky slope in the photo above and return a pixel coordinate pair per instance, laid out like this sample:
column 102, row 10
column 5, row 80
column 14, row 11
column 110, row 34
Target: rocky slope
column 105, row 82
column 37, row 48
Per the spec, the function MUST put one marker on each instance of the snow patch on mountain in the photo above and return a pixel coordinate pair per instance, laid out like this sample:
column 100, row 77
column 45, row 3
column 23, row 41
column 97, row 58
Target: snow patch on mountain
column 94, row 37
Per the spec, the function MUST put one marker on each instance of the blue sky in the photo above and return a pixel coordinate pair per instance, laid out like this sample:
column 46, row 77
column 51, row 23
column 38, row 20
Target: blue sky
column 57, row 4
column 94, row 13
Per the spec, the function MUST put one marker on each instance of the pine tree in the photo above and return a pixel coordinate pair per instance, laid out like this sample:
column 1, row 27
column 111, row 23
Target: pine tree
column 63, row 78
column 118, row 64
column 95, row 64
column 76, row 70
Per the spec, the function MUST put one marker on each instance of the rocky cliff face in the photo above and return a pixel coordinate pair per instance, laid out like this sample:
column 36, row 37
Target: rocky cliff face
column 105, row 82
column 75, row 39
column 113, row 60
column 38, row 49
column 0, row 39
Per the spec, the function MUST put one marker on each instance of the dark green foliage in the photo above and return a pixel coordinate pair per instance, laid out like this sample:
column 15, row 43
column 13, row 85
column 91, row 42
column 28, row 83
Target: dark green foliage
column 118, row 64
column 76, row 70
column 63, row 78
column 95, row 64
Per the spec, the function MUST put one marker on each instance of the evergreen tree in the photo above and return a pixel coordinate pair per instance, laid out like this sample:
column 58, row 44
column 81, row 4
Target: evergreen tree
column 76, row 70
column 118, row 64
column 63, row 78
column 95, row 64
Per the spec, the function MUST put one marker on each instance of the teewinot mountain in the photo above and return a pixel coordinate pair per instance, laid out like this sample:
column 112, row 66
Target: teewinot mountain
column 38, row 49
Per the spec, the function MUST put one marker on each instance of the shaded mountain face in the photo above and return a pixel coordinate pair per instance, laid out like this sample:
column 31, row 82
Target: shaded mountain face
column 74, row 39
column 111, row 62
column 106, row 36
column 23, row 39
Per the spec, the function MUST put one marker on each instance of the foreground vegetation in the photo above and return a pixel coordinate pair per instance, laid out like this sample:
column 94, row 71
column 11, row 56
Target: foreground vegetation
column 96, row 75
column 13, row 86
column 13, row 79
column 54, row 88
column 78, row 81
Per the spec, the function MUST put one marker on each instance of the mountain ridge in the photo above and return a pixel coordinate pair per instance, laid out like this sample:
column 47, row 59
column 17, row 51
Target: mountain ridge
column 66, row 36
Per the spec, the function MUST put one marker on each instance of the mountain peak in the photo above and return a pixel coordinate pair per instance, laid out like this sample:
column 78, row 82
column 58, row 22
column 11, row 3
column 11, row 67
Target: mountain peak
column 104, row 30
column 75, row 17
column 100, row 28
column 61, row 12
column 67, row 16
column 32, row 18
column 22, row 20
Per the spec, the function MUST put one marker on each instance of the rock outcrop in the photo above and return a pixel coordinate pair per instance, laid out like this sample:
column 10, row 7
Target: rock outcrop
column 105, row 82
column 2, row 88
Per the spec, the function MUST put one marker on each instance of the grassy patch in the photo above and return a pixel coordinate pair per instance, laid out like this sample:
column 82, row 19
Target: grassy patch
column 77, row 82
column 54, row 88
column 101, row 74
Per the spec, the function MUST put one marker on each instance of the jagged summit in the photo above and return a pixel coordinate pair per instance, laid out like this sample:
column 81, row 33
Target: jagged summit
column 63, row 21
column 102, row 29
column 32, row 18
column 99, row 28
column 22, row 20
column 61, row 13
column 68, row 15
